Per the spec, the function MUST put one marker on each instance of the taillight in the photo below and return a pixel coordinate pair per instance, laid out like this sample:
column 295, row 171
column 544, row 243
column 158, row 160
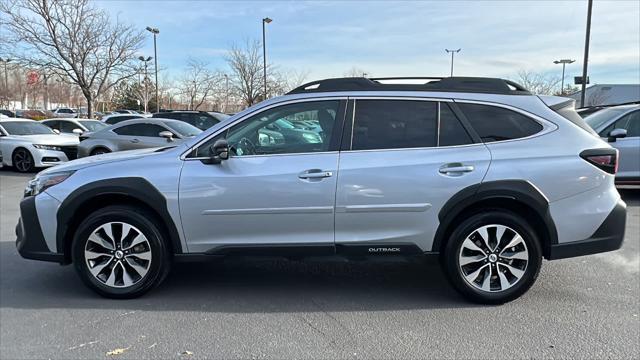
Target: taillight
column 603, row 159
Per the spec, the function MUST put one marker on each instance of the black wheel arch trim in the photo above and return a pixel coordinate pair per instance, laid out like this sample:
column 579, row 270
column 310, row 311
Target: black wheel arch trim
column 520, row 191
column 136, row 188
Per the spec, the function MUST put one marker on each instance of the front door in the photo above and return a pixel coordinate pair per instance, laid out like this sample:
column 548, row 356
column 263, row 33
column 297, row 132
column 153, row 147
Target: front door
column 405, row 159
column 274, row 190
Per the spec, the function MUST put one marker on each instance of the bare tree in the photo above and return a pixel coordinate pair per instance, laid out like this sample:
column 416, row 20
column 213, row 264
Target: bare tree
column 357, row 72
column 74, row 40
column 538, row 83
column 198, row 83
column 246, row 68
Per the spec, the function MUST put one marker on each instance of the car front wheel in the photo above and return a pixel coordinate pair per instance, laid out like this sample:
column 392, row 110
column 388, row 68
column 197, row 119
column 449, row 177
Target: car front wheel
column 120, row 252
column 23, row 160
column 493, row 257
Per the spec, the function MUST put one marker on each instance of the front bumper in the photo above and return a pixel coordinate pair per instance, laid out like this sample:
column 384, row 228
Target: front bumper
column 608, row 237
column 30, row 241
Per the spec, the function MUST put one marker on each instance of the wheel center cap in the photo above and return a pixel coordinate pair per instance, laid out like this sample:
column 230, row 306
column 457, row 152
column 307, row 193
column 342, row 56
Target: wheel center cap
column 493, row 258
column 119, row 254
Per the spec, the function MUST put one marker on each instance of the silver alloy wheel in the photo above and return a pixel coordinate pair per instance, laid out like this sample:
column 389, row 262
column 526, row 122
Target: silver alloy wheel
column 118, row 254
column 493, row 258
column 22, row 160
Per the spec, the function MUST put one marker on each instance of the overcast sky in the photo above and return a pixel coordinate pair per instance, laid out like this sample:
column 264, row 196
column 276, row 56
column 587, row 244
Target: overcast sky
column 327, row 38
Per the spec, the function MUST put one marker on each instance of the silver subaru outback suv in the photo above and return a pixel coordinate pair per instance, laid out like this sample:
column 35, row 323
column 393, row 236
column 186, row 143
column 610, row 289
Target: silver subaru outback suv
column 478, row 171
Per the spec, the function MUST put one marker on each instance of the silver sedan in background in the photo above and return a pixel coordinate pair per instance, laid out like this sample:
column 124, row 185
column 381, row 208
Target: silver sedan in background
column 136, row 134
column 620, row 126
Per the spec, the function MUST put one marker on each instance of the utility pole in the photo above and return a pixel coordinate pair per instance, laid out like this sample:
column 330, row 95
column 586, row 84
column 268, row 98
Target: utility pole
column 452, row 53
column 564, row 63
column 146, row 81
column 586, row 54
column 6, row 78
column 155, row 32
column 226, row 93
column 264, row 54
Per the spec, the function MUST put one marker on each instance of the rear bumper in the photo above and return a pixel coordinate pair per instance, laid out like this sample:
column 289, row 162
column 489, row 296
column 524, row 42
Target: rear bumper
column 30, row 241
column 608, row 237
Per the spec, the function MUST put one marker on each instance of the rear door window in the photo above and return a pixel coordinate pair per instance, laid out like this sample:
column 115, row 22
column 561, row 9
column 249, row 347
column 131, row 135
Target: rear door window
column 494, row 123
column 394, row 124
column 150, row 130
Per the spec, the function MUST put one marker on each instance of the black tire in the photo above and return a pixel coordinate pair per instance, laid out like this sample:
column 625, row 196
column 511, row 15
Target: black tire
column 450, row 257
column 22, row 160
column 99, row 150
column 147, row 223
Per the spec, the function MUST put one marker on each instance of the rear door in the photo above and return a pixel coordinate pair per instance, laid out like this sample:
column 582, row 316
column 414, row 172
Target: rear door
column 402, row 159
column 139, row 136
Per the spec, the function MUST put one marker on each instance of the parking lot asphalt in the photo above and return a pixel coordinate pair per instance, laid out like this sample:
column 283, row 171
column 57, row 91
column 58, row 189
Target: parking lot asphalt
column 585, row 307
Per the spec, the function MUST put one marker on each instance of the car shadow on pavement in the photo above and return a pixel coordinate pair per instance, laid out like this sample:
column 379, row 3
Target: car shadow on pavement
column 238, row 286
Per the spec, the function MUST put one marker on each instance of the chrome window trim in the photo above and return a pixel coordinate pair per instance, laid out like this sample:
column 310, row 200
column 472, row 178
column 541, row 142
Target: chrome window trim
column 184, row 155
column 268, row 155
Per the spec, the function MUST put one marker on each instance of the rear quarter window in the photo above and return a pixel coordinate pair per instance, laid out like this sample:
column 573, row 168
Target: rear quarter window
column 494, row 123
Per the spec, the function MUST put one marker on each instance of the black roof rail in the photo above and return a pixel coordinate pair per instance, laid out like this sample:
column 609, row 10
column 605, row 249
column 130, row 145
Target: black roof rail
column 446, row 84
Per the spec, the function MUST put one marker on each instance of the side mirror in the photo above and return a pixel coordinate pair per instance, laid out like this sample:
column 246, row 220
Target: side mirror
column 617, row 134
column 77, row 131
column 167, row 135
column 217, row 152
column 56, row 131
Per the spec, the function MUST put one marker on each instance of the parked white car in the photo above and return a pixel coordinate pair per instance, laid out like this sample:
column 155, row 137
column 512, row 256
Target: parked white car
column 28, row 144
column 65, row 112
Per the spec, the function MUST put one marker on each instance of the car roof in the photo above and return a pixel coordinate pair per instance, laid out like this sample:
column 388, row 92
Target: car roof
column 146, row 120
column 17, row 119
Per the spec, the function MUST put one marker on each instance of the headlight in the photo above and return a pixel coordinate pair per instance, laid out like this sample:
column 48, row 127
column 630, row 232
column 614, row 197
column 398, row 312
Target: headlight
column 42, row 182
column 312, row 138
column 47, row 147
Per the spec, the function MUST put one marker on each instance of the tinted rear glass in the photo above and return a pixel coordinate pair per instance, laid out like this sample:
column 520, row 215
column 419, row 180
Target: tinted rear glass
column 494, row 123
column 393, row 124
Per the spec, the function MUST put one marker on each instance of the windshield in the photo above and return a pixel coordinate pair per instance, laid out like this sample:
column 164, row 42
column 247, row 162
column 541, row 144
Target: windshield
column 182, row 128
column 93, row 125
column 601, row 117
column 26, row 128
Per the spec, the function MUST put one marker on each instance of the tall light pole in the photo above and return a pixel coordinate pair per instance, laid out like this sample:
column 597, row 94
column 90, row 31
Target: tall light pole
column 6, row 78
column 146, row 80
column 226, row 93
column 155, row 32
column 264, row 54
column 586, row 54
column 564, row 63
column 452, row 53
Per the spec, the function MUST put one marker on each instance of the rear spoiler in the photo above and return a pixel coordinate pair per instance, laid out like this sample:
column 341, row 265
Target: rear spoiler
column 557, row 102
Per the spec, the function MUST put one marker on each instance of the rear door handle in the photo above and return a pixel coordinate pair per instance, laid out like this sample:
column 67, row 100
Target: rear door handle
column 135, row 141
column 456, row 169
column 315, row 174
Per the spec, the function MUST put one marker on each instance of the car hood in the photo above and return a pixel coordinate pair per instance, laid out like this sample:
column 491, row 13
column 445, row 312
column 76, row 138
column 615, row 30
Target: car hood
column 49, row 139
column 103, row 159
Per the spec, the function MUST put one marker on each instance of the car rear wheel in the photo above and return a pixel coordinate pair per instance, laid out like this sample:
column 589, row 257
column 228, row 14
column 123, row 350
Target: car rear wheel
column 100, row 150
column 493, row 257
column 23, row 160
column 120, row 252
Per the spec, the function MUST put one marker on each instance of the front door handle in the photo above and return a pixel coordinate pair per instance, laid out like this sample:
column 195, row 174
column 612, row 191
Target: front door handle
column 315, row 174
column 456, row 169
column 135, row 141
